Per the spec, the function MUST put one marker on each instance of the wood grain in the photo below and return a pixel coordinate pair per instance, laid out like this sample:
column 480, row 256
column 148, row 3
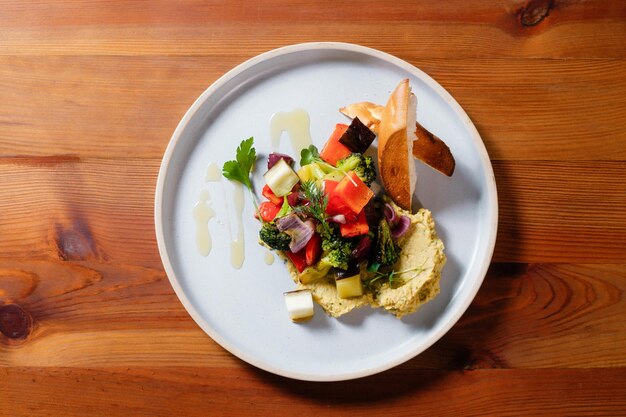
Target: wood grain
column 549, row 211
column 476, row 29
column 91, row 93
column 89, row 314
column 146, row 391
column 522, row 111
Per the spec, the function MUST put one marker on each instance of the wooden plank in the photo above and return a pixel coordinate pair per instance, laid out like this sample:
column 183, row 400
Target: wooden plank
column 86, row 210
column 491, row 28
column 524, row 109
column 100, row 209
column 147, row 391
column 73, row 12
column 561, row 211
column 91, row 314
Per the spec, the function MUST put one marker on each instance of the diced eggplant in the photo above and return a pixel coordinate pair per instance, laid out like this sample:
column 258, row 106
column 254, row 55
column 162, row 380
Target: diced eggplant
column 357, row 137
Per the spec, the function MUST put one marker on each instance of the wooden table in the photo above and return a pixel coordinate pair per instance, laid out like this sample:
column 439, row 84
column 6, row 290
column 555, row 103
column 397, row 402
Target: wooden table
column 90, row 94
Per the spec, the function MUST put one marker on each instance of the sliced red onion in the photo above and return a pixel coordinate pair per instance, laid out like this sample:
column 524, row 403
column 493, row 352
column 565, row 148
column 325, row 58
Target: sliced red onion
column 339, row 218
column 390, row 215
column 300, row 232
column 274, row 157
column 401, row 228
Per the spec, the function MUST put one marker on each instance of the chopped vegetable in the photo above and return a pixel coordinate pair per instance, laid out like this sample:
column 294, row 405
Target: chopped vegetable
column 269, row 194
column 274, row 157
column 281, row 178
column 314, row 272
column 267, row 211
column 386, row 252
column 333, row 151
column 299, row 231
column 390, row 215
column 274, row 238
column 350, row 286
column 362, row 166
column 285, row 208
column 298, row 259
column 352, row 192
column 357, row 137
column 362, row 249
column 311, row 172
column 239, row 169
column 313, row 249
column 355, row 228
column 401, row 227
column 316, row 206
column 299, row 304
column 336, row 252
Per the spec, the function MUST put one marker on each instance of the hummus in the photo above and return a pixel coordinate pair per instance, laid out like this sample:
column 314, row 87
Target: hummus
column 416, row 277
column 423, row 258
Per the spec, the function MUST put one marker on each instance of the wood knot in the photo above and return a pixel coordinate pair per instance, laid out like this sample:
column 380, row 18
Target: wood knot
column 15, row 323
column 76, row 243
column 535, row 11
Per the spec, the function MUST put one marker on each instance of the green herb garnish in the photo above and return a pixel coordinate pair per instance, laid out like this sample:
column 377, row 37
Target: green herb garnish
column 285, row 209
column 316, row 207
column 240, row 168
column 309, row 155
column 389, row 276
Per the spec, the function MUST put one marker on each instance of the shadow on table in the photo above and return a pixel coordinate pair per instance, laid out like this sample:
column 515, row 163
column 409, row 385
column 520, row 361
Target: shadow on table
column 473, row 343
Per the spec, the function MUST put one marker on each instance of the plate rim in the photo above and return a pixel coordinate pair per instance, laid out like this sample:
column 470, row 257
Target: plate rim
column 345, row 47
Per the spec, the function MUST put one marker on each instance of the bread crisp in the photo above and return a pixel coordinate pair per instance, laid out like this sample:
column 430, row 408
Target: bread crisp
column 395, row 145
column 428, row 148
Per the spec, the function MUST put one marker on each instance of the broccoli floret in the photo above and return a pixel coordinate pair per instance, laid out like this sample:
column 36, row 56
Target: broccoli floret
column 387, row 252
column 337, row 252
column 363, row 167
column 274, row 238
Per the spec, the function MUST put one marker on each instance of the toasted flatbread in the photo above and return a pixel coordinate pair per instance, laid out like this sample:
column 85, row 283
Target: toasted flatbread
column 396, row 134
column 427, row 148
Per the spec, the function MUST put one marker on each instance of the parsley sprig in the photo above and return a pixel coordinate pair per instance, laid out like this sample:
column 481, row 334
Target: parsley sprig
column 240, row 168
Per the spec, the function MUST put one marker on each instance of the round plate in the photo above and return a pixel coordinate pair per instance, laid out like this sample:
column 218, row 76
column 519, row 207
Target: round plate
column 243, row 309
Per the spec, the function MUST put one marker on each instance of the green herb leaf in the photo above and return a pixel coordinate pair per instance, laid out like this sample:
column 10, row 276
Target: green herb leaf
column 309, row 155
column 316, row 207
column 285, row 209
column 239, row 169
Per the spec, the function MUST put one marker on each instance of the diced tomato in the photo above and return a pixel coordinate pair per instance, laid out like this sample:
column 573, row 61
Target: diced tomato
column 334, row 150
column 313, row 249
column 269, row 194
column 298, row 259
column 329, row 186
column 335, row 205
column 352, row 192
column 355, row 228
column 268, row 211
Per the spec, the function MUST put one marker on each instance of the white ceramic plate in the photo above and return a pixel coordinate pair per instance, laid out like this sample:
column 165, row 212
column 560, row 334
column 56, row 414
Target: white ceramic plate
column 243, row 310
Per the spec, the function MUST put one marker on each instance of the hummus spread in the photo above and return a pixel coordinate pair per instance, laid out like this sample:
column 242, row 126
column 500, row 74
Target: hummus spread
column 416, row 277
